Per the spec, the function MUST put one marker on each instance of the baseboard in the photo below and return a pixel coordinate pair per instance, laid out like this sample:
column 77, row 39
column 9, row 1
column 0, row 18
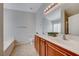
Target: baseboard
column 9, row 50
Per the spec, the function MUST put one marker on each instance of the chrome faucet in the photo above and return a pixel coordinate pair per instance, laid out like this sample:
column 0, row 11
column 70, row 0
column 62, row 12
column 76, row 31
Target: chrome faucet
column 64, row 37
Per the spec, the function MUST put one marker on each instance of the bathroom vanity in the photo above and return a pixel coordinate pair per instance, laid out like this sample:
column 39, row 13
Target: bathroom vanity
column 55, row 46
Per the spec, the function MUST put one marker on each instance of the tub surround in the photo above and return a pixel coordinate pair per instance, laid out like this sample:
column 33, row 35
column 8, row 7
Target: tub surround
column 71, row 44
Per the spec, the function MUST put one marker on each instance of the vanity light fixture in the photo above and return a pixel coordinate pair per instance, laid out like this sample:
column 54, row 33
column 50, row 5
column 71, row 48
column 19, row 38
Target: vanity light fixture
column 51, row 7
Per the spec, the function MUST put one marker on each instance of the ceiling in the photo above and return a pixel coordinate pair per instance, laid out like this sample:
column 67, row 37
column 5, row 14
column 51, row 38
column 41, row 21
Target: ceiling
column 28, row 7
column 71, row 8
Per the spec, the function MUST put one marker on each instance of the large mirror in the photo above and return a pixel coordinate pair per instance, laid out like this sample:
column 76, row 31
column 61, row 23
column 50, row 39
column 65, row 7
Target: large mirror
column 53, row 21
column 74, row 24
column 63, row 20
column 71, row 18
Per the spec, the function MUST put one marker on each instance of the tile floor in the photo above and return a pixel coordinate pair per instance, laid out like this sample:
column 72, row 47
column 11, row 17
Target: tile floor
column 24, row 50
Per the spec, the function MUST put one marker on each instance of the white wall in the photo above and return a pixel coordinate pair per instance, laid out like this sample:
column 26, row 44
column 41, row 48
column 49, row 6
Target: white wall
column 8, row 25
column 39, row 23
column 24, row 26
column 1, row 29
column 47, row 26
column 40, row 19
column 19, row 25
column 74, row 24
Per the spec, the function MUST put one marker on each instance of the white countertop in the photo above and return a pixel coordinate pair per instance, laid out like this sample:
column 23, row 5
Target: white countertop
column 70, row 44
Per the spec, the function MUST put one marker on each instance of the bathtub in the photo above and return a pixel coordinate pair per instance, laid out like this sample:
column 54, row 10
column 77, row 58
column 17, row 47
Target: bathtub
column 8, row 47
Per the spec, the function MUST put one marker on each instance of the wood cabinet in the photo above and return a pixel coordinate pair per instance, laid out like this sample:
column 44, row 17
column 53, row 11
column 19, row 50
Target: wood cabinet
column 37, row 43
column 59, row 51
column 51, row 50
column 46, row 48
column 42, row 47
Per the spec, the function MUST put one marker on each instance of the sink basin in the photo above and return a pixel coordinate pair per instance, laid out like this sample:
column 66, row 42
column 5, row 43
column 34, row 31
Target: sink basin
column 54, row 34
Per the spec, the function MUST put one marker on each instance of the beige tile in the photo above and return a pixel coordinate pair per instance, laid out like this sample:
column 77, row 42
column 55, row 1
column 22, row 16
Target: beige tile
column 24, row 50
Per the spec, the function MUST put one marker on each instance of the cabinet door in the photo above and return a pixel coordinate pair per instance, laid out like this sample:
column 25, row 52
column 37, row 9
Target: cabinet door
column 52, row 51
column 35, row 45
column 37, row 41
column 42, row 47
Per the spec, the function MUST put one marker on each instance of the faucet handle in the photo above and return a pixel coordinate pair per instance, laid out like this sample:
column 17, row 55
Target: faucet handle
column 64, row 37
